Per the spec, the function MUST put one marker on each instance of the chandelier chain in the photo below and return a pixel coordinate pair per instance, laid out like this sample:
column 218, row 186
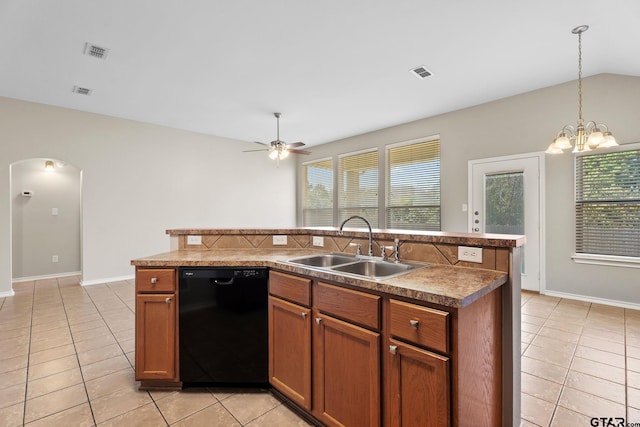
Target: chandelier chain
column 580, row 121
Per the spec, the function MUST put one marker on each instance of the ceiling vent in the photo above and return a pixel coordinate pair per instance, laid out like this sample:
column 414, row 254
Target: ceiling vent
column 421, row 72
column 95, row 51
column 81, row 90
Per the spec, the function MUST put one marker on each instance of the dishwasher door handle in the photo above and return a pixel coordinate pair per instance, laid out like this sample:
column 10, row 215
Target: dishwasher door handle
column 228, row 282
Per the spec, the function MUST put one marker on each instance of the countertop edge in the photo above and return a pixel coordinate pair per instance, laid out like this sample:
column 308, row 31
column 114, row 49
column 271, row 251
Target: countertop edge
column 391, row 286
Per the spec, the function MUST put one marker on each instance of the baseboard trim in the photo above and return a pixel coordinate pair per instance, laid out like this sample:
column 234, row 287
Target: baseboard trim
column 7, row 294
column 106, row 280
column 45, row 276
column 616, row 303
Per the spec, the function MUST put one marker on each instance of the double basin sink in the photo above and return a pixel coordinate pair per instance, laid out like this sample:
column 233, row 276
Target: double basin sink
column 356, row 265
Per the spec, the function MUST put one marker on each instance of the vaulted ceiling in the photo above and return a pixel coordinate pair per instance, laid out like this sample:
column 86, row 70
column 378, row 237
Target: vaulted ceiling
column 334, row 68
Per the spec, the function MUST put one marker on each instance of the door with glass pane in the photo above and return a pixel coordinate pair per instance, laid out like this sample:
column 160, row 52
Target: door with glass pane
column 505, row 198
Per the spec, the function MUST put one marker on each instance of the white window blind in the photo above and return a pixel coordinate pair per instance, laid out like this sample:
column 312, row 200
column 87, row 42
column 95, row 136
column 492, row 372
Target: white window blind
column 413, row 186
column 317, row 193
column 608, row 203
column 358, row 186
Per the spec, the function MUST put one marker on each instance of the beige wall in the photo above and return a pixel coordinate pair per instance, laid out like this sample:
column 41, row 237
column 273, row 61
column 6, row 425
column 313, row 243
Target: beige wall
column 523, row 124
column 139, row 180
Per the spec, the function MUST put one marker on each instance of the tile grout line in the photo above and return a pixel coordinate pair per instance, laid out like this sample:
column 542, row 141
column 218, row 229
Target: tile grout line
column 26, row 380
column 125, row 355
column 75, row 351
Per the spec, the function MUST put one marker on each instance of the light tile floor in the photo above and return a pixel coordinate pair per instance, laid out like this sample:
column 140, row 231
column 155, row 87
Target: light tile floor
column 66, row 358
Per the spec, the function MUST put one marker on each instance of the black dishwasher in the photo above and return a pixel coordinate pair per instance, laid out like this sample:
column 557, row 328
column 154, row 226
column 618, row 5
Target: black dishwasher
column 223, row 324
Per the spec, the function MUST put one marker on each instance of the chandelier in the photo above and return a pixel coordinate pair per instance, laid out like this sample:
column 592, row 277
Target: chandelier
column 582, row 137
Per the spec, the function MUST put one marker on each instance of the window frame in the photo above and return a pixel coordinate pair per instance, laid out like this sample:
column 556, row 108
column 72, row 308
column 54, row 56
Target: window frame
column 387, row 178
column 600, row 259
column 303, row 189
column 383, row 160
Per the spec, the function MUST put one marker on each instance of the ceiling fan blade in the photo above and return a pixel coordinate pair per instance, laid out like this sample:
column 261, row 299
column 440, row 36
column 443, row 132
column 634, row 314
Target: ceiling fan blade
column 261, row 143
column 249, row 151
column 295, row 144
column 294, row 151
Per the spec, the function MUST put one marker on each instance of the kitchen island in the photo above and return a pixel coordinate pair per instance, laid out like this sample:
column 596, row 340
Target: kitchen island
column 470, row 345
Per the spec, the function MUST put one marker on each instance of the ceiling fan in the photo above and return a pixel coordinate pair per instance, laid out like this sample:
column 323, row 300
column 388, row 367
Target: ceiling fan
column 279, row 149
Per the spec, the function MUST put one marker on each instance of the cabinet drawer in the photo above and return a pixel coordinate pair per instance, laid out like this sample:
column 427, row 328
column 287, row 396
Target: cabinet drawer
column 292, row 288
column 155, row 280
column 421, row 325
column 355, row 306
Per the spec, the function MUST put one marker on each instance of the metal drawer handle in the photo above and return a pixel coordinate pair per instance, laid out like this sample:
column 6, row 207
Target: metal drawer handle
column 304, row 315
column 393, row 349
column 154, row 280
column 318, row 320
column 414, row 323
column 167, row 300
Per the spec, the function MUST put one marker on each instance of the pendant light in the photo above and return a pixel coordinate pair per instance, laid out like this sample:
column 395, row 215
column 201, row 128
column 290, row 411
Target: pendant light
column 582, row 137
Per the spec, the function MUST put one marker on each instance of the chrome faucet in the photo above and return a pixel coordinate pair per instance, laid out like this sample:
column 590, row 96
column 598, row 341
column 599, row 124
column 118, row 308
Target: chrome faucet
column 368, row 225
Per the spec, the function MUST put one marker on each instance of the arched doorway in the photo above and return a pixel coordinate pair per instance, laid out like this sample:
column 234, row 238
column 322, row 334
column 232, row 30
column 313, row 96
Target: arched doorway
column 45, row 219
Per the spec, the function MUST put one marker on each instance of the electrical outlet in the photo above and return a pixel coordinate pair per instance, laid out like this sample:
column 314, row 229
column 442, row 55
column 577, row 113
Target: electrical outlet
column 54, row 258
column 194, row 240
column 470, row 254
column 318, row 241
column 279, row 240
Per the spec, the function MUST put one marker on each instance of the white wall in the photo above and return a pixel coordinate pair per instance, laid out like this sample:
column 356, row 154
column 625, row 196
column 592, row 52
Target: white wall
column 37, row 234
column 139, row 180
column 523, row 124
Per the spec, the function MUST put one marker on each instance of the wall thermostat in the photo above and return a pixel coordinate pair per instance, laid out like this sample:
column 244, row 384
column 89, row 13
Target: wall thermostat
column 27, row 193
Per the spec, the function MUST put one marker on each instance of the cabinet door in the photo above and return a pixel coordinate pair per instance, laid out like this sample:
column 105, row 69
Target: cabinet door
column 346, row 373
column 290, row 350
column 156, row 318
column 419, row 387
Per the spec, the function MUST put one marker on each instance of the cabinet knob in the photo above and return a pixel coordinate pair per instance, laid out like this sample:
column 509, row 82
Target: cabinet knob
column 393, row 349
column 154, row 280
column 414, row 323
column 304, row 315
column 167, row 300
column 318, row 320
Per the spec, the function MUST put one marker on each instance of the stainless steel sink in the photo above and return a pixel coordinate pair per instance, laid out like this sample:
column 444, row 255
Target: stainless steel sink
column 325, row 260
column 377, row 269
column 353, row 265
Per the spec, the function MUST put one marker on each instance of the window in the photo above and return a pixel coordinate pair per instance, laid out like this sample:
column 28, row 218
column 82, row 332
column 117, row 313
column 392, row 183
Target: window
column 413, row 186
column 358, row 186
column 608, row 204
column 317, row 193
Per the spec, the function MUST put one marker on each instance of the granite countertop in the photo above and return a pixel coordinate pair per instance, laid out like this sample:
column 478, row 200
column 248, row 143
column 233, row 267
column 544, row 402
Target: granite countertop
column 456, row 238
column 440, row 284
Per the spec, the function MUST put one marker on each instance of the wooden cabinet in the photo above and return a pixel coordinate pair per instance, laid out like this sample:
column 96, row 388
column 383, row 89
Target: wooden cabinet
column 418, row 377
column 346, row 362
column 290, row 337
column 346, row 373
column 352, row 358
column 156, row 328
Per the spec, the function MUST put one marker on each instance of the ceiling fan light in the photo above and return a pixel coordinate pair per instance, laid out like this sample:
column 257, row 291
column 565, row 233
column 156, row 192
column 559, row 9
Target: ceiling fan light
column 284, row 154
column 273, row 154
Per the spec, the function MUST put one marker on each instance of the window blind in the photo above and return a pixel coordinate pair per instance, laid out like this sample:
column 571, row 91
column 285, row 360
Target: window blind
column 413, row 186
column 317, row 197
column 608, row 203
column 358, row 186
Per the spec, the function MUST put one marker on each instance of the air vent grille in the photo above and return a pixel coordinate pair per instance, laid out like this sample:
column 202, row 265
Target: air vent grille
column 82, row 90
column 95, row 51
column 421, row 72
